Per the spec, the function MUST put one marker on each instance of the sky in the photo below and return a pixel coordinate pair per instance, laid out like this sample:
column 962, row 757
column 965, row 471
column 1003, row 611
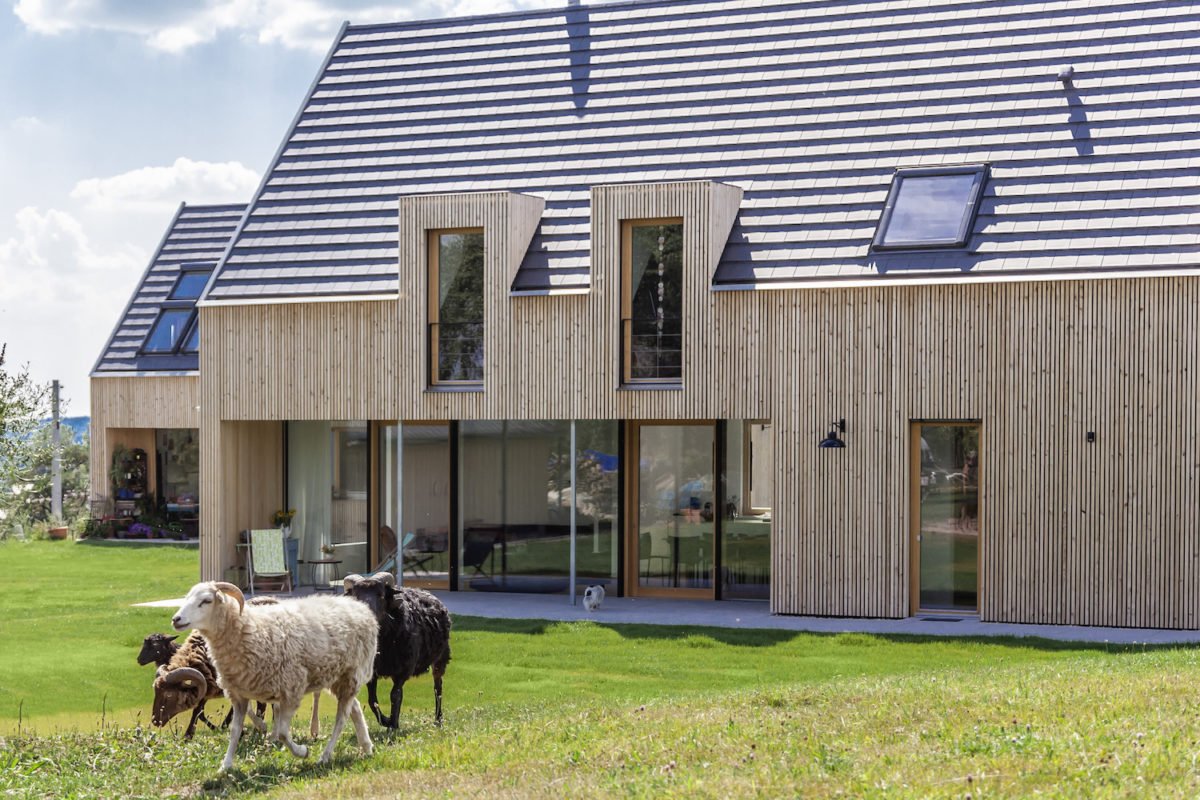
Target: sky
column 112, row 112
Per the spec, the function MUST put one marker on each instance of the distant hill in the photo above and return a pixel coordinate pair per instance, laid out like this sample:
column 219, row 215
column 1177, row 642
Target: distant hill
column 77, row 426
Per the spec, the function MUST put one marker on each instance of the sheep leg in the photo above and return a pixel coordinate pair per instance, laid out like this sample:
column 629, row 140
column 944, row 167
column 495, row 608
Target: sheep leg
column 397, row 701
column 204, row 717
column 283, row 728
column 373, row 700
column 314, row 727
column 437, row 694
column 197, row 712
column 360, row 728
column 235, row 732
column 347, row 707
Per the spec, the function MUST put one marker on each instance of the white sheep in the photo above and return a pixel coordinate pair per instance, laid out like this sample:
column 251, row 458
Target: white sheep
column 279, row 653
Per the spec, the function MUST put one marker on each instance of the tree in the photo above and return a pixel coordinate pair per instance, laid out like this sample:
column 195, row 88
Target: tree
column 24, row 407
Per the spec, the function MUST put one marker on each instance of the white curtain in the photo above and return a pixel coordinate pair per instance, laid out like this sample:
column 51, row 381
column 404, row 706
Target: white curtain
column 310, row 476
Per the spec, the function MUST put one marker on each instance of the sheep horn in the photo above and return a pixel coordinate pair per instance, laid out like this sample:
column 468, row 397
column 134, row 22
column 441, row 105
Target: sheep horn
column 385, row 577
column 233, row 591
column 351, row 580
column 185, row 674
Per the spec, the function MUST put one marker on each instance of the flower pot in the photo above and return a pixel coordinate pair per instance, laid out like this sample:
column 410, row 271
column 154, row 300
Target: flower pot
column 58, row 532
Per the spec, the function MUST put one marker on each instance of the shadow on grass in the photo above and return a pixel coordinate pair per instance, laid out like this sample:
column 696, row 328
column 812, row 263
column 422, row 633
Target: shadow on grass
column 762, row 637
column 123, row 543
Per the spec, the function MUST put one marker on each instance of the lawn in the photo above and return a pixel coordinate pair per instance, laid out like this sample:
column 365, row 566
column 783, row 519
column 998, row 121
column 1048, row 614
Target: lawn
column 586, row 709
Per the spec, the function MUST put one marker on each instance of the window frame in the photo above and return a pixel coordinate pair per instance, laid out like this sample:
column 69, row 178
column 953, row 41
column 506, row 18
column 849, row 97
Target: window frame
column 748, row 469
column 185, row 328
column 433, row 305
column 966, row 225
column 627, row 296
column 190, row 322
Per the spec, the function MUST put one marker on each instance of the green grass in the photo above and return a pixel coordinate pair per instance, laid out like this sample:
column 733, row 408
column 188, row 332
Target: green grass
column 69, row 634
column 584, row 709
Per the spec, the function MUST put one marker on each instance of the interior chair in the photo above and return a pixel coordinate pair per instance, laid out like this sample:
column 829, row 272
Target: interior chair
column 387, row 549
column 646, row 553
column 478, row 547
column 267, row 560
column 692, row 563
column 416, row 552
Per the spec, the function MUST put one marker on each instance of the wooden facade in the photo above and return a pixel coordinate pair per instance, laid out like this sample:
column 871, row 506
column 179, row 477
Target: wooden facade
column 1102, row 533
column 126, row 410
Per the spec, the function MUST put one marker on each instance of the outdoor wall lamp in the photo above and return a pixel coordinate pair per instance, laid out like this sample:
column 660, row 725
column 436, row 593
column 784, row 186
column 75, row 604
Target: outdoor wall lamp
column 831, row 439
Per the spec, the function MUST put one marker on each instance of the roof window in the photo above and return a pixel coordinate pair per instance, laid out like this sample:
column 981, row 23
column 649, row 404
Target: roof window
column 167, row 331
column 932, row 207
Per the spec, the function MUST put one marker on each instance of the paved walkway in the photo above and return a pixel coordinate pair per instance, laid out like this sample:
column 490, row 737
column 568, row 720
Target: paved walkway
column 751, row 615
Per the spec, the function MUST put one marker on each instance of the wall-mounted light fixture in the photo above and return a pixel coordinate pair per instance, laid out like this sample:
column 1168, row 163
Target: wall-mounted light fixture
column 1091, row 437
column 1066, row 74
column 831, row 439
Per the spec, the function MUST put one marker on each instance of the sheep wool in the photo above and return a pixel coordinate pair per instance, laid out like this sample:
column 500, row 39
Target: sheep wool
column 278, row 653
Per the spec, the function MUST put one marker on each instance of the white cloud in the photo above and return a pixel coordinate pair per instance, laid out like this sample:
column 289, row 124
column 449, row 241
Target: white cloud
column 61, row 295
column 308, row 24
column 156, row 188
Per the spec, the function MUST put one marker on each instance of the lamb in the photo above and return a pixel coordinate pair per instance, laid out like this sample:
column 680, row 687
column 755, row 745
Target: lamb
column 279, row 653
column 414, row 635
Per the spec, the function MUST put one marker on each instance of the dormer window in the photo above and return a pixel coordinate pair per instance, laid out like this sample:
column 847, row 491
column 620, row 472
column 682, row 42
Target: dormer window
column 932, row 207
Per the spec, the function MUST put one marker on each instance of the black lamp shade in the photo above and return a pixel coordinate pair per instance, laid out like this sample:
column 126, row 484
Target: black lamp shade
column 832, row 440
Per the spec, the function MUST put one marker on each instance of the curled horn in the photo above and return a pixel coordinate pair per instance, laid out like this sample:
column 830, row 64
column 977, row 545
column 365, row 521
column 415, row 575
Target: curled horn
column 385, row 577
column 185, row 674
column 233, row 591
column 350, row 581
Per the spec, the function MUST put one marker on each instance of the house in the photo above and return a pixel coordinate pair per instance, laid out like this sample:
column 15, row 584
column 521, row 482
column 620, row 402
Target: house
column 866, row 309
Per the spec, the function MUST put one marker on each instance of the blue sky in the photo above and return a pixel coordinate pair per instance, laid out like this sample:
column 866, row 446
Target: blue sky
column 112, row 112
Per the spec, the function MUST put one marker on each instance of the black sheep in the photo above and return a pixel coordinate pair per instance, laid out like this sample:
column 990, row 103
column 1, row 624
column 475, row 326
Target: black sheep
column 157, row 647
column 414, row 637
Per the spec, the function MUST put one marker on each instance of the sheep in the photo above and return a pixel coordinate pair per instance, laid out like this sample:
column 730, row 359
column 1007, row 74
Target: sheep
column 189, row 680
column 157, row 647
column 279, row 653
column 414, row 635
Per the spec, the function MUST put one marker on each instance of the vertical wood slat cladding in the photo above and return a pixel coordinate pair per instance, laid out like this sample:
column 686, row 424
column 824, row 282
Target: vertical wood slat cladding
column 1071, row 532
column 136, row 402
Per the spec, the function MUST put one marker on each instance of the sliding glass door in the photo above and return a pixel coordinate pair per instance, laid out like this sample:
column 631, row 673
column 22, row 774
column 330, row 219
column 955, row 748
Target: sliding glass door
column 672, row 510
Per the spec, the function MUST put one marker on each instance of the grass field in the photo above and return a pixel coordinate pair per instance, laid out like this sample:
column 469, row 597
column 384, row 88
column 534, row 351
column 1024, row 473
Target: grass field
column 588, row 710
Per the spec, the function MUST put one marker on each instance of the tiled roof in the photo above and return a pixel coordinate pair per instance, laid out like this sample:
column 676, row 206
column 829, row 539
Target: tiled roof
column 808, row 106
column 196, row 237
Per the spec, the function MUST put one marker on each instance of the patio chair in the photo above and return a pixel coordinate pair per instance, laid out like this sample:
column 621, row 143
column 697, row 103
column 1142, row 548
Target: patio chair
column 478, row 547
column 267, row 559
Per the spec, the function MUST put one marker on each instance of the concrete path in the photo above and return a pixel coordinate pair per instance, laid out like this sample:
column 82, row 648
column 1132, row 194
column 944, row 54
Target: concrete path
column 756, row 614
column 750, row 614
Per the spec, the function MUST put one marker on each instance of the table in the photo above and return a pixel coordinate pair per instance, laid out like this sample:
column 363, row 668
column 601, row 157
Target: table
column 326, row 566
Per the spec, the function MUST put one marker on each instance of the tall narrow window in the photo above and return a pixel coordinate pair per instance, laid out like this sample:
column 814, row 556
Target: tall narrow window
column 456, row 307
column 652, row 301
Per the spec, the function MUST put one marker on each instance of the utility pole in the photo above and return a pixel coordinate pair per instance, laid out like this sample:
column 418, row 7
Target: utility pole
column 56, row 460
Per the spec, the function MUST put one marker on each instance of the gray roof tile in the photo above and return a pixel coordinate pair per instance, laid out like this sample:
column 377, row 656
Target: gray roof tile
column 198, row 235
column 807, row 105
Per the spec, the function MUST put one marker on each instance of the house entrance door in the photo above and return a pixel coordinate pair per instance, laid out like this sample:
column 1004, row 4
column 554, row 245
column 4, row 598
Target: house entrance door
column 672, row 525
column 945, row 516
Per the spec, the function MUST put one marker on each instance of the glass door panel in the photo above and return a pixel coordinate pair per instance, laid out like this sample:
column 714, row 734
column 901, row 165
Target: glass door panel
column 425, row 541
column 946, row 499
column 674, row 509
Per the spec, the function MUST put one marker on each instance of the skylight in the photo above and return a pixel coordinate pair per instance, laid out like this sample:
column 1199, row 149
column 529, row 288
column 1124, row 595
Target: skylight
column 189, row 286
column 930, row 208
column 167, row 330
